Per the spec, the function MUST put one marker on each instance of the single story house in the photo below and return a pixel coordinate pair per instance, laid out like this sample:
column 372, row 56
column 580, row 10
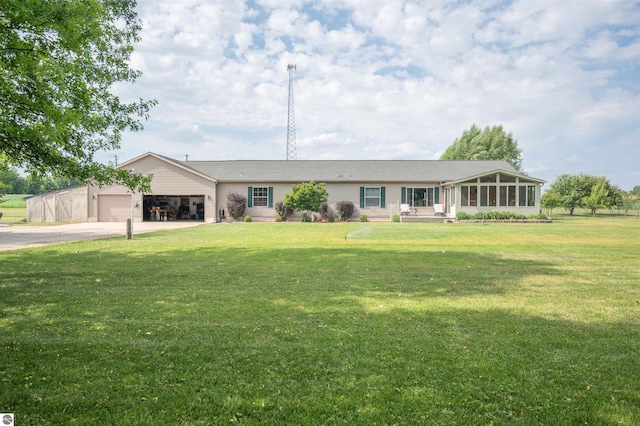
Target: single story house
column 197, row 190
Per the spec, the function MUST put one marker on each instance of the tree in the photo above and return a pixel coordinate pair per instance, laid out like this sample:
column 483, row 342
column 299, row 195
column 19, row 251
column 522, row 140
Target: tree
column 598, row 199
column 488, row 144
column 306, row 197
column 550, row 200
column 577, row 191
column 58, row 63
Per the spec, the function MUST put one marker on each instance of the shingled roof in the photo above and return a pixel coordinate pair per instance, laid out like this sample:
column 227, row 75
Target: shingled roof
column 346, row 170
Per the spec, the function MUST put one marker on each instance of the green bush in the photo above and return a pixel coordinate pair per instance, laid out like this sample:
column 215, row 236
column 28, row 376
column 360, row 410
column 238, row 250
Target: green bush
column 395, row 218
column 331, row 218
column 538, row 216
column 496, row 215
column 364, row 218
column 278, row 219
column 305, row 218
column 344, row 209
column 247, row 218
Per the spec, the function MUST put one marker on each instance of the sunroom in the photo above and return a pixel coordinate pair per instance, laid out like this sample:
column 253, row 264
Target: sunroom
column 495, row 191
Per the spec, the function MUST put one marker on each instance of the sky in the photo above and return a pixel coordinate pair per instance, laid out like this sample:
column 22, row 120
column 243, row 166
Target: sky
column 391, row 79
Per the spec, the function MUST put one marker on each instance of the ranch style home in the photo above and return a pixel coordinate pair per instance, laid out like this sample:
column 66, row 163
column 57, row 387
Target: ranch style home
column 197, row 190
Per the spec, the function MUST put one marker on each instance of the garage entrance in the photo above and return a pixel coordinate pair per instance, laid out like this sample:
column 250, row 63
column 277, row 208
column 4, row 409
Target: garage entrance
column 173, row 207
column 114, row 208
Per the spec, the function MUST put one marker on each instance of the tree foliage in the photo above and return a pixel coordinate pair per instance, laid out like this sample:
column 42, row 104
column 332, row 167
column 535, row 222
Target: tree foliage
column 59, row 61
column 574, row 191
column 306, row 197
column 492, row 143
column 32, row 184
column 599, row 197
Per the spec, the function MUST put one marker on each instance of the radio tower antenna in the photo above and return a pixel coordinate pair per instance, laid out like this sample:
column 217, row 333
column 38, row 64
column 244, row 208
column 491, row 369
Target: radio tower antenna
column 291, row 123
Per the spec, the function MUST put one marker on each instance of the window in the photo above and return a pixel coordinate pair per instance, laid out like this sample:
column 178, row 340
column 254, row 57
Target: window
column 260, row 196
column 527, row 196
column 416, row 197
column 469, row 195
column 531, row 196
column 473, row 195
column 372, row 197
column 508, row 195
column 421, row 197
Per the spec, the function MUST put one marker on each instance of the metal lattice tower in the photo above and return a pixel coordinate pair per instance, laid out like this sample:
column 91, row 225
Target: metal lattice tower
column 291, row 123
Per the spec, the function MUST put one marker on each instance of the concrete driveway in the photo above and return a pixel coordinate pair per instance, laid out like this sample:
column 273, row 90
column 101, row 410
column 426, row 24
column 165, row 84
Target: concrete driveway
column 20, row 236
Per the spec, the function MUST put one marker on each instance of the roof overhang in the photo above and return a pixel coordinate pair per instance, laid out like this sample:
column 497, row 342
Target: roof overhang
column 168, row 160
column 501, row 171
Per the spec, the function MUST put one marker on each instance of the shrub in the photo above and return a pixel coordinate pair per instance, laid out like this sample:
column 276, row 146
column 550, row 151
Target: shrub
column 283, row 210
column 236, row 204
column 463, row 216
column 305, row 218
column 344, row 210
column 478, row 216
column 247, row 218
column 306, row 197
column 331, row 218
column 395, row 218
column 364, row 218
column 325, row 211
column 538, row 216
column 278, row 219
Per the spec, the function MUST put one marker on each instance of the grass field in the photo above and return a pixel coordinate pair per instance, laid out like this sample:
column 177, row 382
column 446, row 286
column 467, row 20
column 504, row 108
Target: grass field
column 13, row 208
column 345, row 323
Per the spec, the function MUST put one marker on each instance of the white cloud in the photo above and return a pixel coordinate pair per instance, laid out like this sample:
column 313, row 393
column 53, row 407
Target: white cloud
column 392, row 79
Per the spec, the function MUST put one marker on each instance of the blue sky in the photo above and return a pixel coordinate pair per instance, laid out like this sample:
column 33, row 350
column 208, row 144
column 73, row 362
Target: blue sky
column 392, row 79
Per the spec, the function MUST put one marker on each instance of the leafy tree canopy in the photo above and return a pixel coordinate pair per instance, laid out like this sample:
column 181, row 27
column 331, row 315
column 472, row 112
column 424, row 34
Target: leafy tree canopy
column 583, row 190
column 307, row 196
column 59, row 60
column 492, row 143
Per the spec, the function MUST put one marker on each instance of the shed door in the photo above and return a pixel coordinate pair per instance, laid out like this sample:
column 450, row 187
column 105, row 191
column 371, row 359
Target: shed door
column 114, row 208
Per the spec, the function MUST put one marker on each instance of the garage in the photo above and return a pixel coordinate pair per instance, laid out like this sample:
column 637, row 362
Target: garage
column 173, row 207
column 114, row 208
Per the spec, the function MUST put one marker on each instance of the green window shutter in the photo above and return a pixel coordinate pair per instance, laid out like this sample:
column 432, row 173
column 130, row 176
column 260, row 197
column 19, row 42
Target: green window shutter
column 271, row 197
column 362, row 197
column 250, row 197
column 436, row 195
column 403, row 195
column 382, row 196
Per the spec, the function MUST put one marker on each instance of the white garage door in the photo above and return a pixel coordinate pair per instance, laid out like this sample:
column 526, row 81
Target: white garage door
column 114, row 208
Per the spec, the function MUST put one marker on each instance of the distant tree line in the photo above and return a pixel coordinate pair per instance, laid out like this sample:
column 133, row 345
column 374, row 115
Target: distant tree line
column 588, row 192
column 11, row 182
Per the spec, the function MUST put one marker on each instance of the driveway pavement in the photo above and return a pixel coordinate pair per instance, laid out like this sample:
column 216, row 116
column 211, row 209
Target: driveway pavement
column 21, row 236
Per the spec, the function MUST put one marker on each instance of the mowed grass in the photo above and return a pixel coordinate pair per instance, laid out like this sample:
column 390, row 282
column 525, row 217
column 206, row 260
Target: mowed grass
column 345, row 323
column 13, row 208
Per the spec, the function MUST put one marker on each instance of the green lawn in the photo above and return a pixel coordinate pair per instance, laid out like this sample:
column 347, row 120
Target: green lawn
column 345, row 323
column 13, row 208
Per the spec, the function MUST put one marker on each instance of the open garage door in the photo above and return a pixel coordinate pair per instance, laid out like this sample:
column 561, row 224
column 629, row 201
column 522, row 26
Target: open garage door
column 114, row 208
column 173, row 207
